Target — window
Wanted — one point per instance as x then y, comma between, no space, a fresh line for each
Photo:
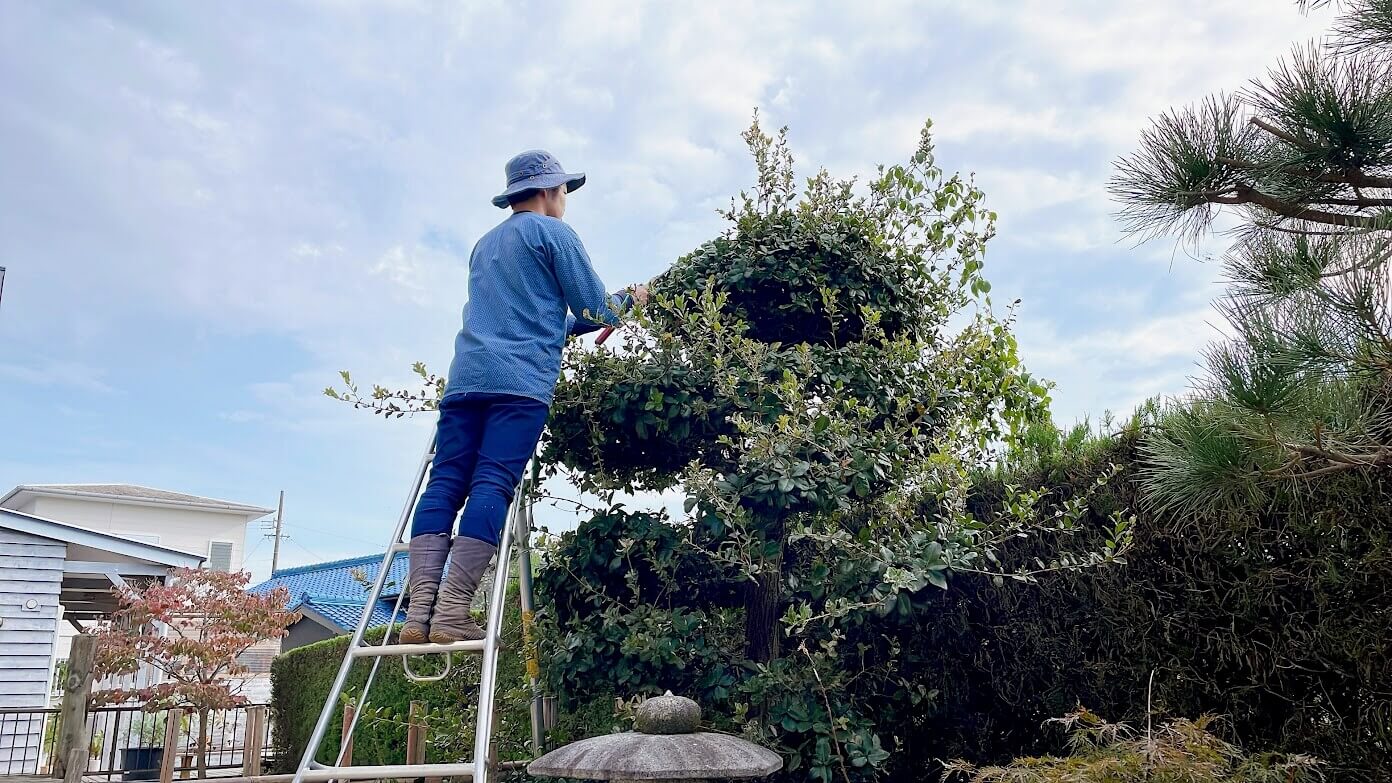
219,556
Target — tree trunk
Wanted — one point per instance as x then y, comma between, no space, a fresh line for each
763,601
202,743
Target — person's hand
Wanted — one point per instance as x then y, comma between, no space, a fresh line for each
640,293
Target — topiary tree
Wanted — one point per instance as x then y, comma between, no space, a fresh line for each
810,381
1303,159
819,383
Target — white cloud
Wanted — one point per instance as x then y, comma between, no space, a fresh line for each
1116,368
57,374
279,176
417,274
1015,192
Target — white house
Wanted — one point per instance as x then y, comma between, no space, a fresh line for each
49,570
63,547
215,529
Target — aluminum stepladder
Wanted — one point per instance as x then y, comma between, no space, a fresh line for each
516,532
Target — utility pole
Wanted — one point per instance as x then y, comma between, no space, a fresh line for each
2,282
275,548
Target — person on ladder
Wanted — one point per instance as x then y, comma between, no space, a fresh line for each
524,275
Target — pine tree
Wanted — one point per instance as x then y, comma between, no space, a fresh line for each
1303,160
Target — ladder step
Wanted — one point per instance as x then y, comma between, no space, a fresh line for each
401,546
385,771
320,772
379,650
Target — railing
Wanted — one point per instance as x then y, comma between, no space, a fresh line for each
119,738
27,740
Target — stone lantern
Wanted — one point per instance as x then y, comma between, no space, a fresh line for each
667,745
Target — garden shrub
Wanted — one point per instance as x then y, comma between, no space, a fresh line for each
775,271
1278,620
656,418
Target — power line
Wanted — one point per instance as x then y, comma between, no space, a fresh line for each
335,533
304,548
246,557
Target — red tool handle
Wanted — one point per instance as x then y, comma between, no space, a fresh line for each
608,330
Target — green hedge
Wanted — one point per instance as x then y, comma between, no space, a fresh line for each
300,681
1278,620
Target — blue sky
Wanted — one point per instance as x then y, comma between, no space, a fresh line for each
207,210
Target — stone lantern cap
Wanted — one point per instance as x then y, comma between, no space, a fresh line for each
667,746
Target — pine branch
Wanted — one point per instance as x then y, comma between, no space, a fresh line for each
1365,28
1356,178
1310,231
1352,177
1360,203
1345,462
1246,194
1336,456
1286,137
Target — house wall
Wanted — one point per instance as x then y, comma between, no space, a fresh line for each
177,528
31,569
306,631
187,529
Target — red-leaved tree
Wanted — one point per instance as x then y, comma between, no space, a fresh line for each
192,629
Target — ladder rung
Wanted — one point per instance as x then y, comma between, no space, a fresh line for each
385,771
378,650
401,546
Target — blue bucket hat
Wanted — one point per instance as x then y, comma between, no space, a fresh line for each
536,170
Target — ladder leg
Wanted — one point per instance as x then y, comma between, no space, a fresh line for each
371,675
527,600
488,666
321,726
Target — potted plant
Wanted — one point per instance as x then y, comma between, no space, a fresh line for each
142,758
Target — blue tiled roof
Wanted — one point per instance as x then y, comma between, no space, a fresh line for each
334,580
331,590
346,614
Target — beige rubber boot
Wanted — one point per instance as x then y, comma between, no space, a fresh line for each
427,557
452,621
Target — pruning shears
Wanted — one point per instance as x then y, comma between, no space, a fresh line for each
608,330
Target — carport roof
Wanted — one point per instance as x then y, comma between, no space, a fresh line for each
97,563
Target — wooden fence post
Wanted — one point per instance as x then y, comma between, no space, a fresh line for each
172,719
254,741
345,748
77,689
415,735
76,765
